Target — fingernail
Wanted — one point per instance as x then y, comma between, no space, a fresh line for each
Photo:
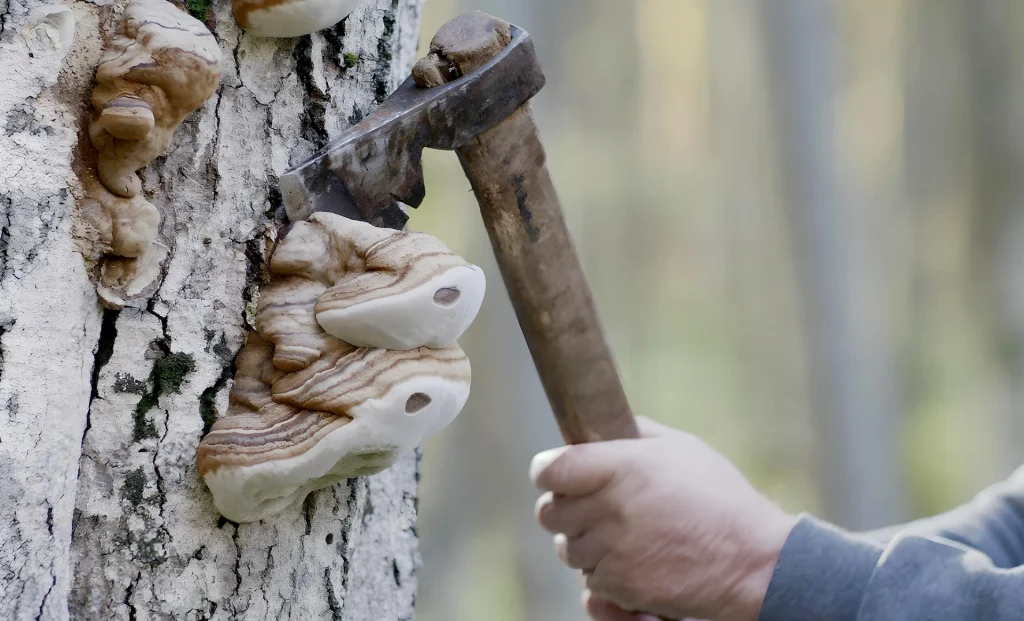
585,598
561,543
545,498
541,461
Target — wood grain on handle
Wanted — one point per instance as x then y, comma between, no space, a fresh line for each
521,211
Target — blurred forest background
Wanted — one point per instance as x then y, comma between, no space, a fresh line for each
803,224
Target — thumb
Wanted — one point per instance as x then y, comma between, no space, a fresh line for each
578,470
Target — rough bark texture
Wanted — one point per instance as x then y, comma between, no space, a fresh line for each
102,514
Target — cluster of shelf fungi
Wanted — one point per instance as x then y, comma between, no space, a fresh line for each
354,356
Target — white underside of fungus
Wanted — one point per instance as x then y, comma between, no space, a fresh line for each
316,402
294,18
384,322
379,431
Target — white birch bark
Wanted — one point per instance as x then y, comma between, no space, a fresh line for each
102,513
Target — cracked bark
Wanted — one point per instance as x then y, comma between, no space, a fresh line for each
102,515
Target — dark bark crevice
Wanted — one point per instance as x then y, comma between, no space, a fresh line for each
332,600
3,330
132,612
208,398
334,45
238,555
315,101
5,12
104,350
42,604
347,524
386,46
5,232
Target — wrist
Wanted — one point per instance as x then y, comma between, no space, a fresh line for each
757,561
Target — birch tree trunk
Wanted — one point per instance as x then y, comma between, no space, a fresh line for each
102,513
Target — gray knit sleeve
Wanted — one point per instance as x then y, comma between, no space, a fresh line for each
964,565
825,574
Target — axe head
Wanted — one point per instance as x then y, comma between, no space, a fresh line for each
374,167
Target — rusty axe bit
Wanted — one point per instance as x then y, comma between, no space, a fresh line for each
472,94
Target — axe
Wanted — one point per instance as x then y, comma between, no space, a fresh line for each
472,94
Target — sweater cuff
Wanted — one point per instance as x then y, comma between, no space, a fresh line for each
822,573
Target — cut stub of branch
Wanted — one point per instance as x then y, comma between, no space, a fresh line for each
309,409
162,66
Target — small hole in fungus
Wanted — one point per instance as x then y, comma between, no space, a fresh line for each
417,402
447,296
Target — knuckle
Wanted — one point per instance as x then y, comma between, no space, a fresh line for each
602,581
596,583
543,508
611,582
552,516
573,556
561,548
549,518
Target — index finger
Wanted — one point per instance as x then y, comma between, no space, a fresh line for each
577,470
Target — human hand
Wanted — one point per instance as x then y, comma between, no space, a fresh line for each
663,524
603,610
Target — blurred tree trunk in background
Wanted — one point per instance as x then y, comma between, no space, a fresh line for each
761,283
853,387
995,47
946,390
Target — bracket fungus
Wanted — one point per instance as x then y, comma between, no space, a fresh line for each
290,18
162,65
353,361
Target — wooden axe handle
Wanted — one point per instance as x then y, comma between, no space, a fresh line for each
506,166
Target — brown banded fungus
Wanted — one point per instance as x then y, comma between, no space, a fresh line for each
290,18
162,65
309,409
400,291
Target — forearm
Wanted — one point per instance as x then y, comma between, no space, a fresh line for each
825,573
992,523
